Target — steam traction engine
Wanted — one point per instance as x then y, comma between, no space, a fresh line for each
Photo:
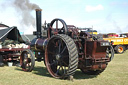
65,48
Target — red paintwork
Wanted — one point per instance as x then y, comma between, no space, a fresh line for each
11,53
113,35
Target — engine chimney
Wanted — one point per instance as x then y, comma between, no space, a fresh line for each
38,22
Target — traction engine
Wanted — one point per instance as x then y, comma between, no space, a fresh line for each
65,48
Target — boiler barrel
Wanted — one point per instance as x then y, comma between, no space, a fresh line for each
38,44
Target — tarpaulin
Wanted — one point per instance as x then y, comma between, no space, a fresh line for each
11,33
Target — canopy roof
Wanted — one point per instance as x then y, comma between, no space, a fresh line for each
10,33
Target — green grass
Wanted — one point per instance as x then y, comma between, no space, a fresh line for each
115,74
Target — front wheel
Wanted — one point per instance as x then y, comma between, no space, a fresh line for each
27,60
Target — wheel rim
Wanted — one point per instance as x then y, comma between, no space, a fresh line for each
26,61
57,59
120,49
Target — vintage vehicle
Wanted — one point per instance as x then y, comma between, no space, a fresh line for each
119,43
65,48
11,45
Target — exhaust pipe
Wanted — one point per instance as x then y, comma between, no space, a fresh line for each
38,23
38,44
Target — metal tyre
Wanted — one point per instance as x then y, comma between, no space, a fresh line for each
110,53
27,60
61,56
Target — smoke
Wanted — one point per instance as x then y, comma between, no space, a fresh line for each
116,26
114,23
24,9
22,12
126,29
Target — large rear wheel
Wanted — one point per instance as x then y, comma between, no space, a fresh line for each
61,56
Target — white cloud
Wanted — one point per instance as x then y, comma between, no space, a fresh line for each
89,8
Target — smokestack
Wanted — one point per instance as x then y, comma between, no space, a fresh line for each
38,22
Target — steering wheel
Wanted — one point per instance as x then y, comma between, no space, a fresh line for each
57,30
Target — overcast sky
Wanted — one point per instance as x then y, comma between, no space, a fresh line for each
105,16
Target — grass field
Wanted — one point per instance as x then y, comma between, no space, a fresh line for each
115,74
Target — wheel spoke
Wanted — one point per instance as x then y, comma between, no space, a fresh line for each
57,72
28,64
63,71
25,56
57,26
54,63
63,50
24,64
53,42
61,30
65,63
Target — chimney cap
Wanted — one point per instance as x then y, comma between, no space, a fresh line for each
38,9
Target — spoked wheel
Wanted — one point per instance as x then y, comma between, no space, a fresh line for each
27,60
61,56
110,53
58,26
